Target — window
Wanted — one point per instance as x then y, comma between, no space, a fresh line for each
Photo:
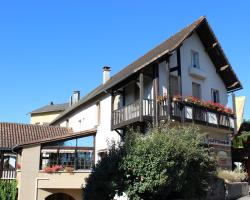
196,87
195,59
9,162
174,85
76,153
215,96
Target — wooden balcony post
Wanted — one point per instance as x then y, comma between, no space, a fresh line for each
141,96
156,92
179,70
112,110
180,81
169,106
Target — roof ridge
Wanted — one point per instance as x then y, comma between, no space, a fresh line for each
34,125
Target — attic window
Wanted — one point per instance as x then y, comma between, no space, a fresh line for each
195,59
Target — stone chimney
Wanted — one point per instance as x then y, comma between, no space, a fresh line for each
106,74
75,97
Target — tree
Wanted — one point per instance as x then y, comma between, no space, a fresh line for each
165,162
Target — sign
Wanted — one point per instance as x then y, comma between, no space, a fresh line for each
213,141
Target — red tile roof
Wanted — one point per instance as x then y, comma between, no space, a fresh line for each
13,134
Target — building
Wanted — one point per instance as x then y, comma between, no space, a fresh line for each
158,87
47,114
186,79
26,152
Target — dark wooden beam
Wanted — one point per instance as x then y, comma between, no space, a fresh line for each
179,70
224,67
141,95
233,85
212,46
169,110
173,69
156,92
112,109
180,79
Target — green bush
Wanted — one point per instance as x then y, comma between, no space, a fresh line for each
167,162
8,190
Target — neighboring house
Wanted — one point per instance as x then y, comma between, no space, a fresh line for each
27,150
47,114
190,63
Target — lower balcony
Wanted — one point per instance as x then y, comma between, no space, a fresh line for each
131,113
180,110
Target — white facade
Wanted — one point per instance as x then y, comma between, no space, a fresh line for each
87,118
206,75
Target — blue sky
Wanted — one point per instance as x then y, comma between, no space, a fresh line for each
50,48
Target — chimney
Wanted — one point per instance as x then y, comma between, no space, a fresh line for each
75,97
106,74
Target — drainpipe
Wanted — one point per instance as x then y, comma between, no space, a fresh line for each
36,186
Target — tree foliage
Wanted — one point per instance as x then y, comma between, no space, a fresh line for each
8,190
166,162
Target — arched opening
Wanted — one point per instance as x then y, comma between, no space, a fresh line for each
59,196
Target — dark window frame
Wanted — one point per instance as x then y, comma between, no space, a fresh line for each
200,90
195,57
214,98
76,149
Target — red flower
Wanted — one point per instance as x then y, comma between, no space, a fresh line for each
18,166
53,169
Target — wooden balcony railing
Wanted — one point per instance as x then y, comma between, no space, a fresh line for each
131,112
180,110
8,175
202,115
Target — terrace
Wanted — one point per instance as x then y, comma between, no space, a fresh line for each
188,109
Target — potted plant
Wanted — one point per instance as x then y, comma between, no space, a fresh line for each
162,98
69,169
53,169
177,98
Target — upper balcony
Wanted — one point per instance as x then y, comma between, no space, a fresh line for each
185,110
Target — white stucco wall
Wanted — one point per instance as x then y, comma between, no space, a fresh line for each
89,120
212,79
104,134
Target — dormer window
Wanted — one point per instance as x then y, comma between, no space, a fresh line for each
195,59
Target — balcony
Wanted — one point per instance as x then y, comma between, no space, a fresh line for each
180,110
8,175
131,113
188,112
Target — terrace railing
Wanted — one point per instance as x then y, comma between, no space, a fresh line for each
8,175
131,112
188,112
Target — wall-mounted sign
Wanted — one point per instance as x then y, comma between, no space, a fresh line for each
213,141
